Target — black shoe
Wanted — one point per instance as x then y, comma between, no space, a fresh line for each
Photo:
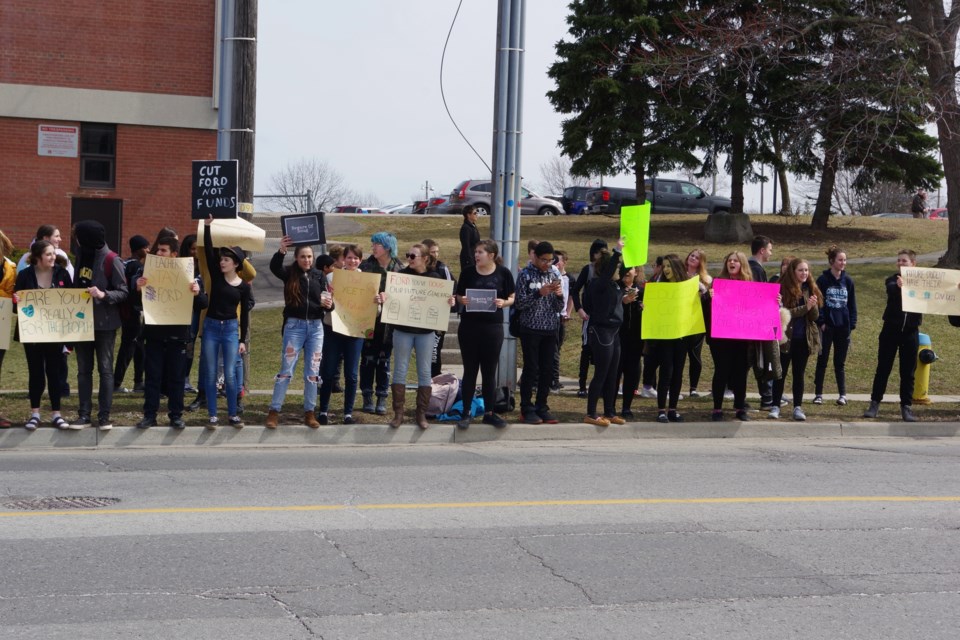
178,423
463,423
581,393
199,400
348,419
717,416
547,417
662,417
673,416
530,417
626,414
323,418
147,422
337,388
556,386
495,420
138,387
743,416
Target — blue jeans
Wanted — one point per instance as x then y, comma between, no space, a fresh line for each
403,343
305,335
349,348
220,337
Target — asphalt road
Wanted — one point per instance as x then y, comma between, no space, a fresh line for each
840,538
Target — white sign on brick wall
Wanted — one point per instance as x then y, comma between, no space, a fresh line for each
57,140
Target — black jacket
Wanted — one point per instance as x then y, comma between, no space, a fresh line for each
604,299
894,316
312,284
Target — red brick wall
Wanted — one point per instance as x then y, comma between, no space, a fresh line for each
153,46
153,174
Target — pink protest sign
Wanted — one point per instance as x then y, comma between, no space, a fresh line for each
745,310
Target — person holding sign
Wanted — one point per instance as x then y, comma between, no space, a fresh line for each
669,354
375,357
730,356
419,340
802,298
900,335
44,359
305,298
221,334
165,351
484,290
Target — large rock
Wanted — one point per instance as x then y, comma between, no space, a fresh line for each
728,228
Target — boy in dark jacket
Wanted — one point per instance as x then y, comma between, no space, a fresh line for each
900,334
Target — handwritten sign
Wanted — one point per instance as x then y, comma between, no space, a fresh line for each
55,315
672,310
304,229
482,300
635,230
235,232
215,188
354,311
167,298
417,301
745,310
6,321
931,291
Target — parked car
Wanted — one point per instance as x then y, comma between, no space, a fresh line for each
667,195
420,206
574,200
398,208
478,193
347,208
940,213
892,215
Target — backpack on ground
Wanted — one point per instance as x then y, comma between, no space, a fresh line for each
445,391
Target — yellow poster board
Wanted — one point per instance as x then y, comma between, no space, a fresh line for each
167,298
672,310
6,321
354,311
55,315
417,301
635,231
933,291
234,232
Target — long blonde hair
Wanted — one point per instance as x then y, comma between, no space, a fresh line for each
702,273
746,274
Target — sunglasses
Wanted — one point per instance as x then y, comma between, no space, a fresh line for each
412,256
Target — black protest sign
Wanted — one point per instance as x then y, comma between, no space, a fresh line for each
215,188
304,228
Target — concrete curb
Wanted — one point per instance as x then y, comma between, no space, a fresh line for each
301,436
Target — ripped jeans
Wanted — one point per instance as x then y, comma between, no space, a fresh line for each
308,336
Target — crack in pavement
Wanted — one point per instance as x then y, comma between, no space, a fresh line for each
343,554
554,572
293,614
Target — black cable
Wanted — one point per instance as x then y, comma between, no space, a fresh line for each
444,97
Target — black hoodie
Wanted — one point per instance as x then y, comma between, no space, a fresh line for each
92,253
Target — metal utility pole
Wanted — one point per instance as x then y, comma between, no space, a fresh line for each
507,130
426,190
238,92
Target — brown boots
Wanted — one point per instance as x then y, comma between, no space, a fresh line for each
309,419
273,418
399,397
423,401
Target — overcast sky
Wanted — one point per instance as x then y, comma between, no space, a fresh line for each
357,84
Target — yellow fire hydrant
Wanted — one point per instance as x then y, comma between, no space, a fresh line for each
921,380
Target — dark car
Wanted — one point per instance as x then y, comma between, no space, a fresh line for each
574,200
420,206
478,193
668,195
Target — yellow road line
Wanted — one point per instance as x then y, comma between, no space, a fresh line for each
486,505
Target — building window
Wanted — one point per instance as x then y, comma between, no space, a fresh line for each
98,155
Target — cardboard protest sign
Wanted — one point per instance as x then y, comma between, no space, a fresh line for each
6,321
672,310
417,301
635,231
304,229
55,315
931,291
745,310
354,311
167,298
215,188
236,232
482,300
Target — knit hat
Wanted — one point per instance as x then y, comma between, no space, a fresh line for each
137,243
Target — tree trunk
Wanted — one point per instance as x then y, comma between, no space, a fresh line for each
828,178
737,145
786,208
639,172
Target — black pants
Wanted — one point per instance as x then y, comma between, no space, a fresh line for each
695,351
538,350
131,348
893,341
561,335
480,351
436,361
729,371
44,360
102,348
650,365
605,347
839,338
164,371
585,358
631,356
670,355
795,362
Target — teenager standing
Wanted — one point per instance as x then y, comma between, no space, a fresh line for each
838,319
730,365
802,298
670,354
696,264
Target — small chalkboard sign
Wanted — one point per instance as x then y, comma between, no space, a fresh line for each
484,300
304,228
215,188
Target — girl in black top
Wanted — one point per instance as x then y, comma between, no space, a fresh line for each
44,359
631,344
221,329
484,326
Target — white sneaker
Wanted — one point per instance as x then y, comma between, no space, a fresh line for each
819,400
648,392
798,414
774,413
842,401
728,395
694,393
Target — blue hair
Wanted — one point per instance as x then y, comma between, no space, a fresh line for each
387,240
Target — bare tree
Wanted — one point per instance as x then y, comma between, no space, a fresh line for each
326,186
555,176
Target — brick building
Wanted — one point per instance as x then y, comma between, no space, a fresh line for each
103,106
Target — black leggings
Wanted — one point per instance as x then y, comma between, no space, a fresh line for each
631,354
480,351
729,371
670,355
605,347
840,339
797,357
694,350
44,360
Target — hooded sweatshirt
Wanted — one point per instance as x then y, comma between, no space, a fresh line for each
839,301
90,271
